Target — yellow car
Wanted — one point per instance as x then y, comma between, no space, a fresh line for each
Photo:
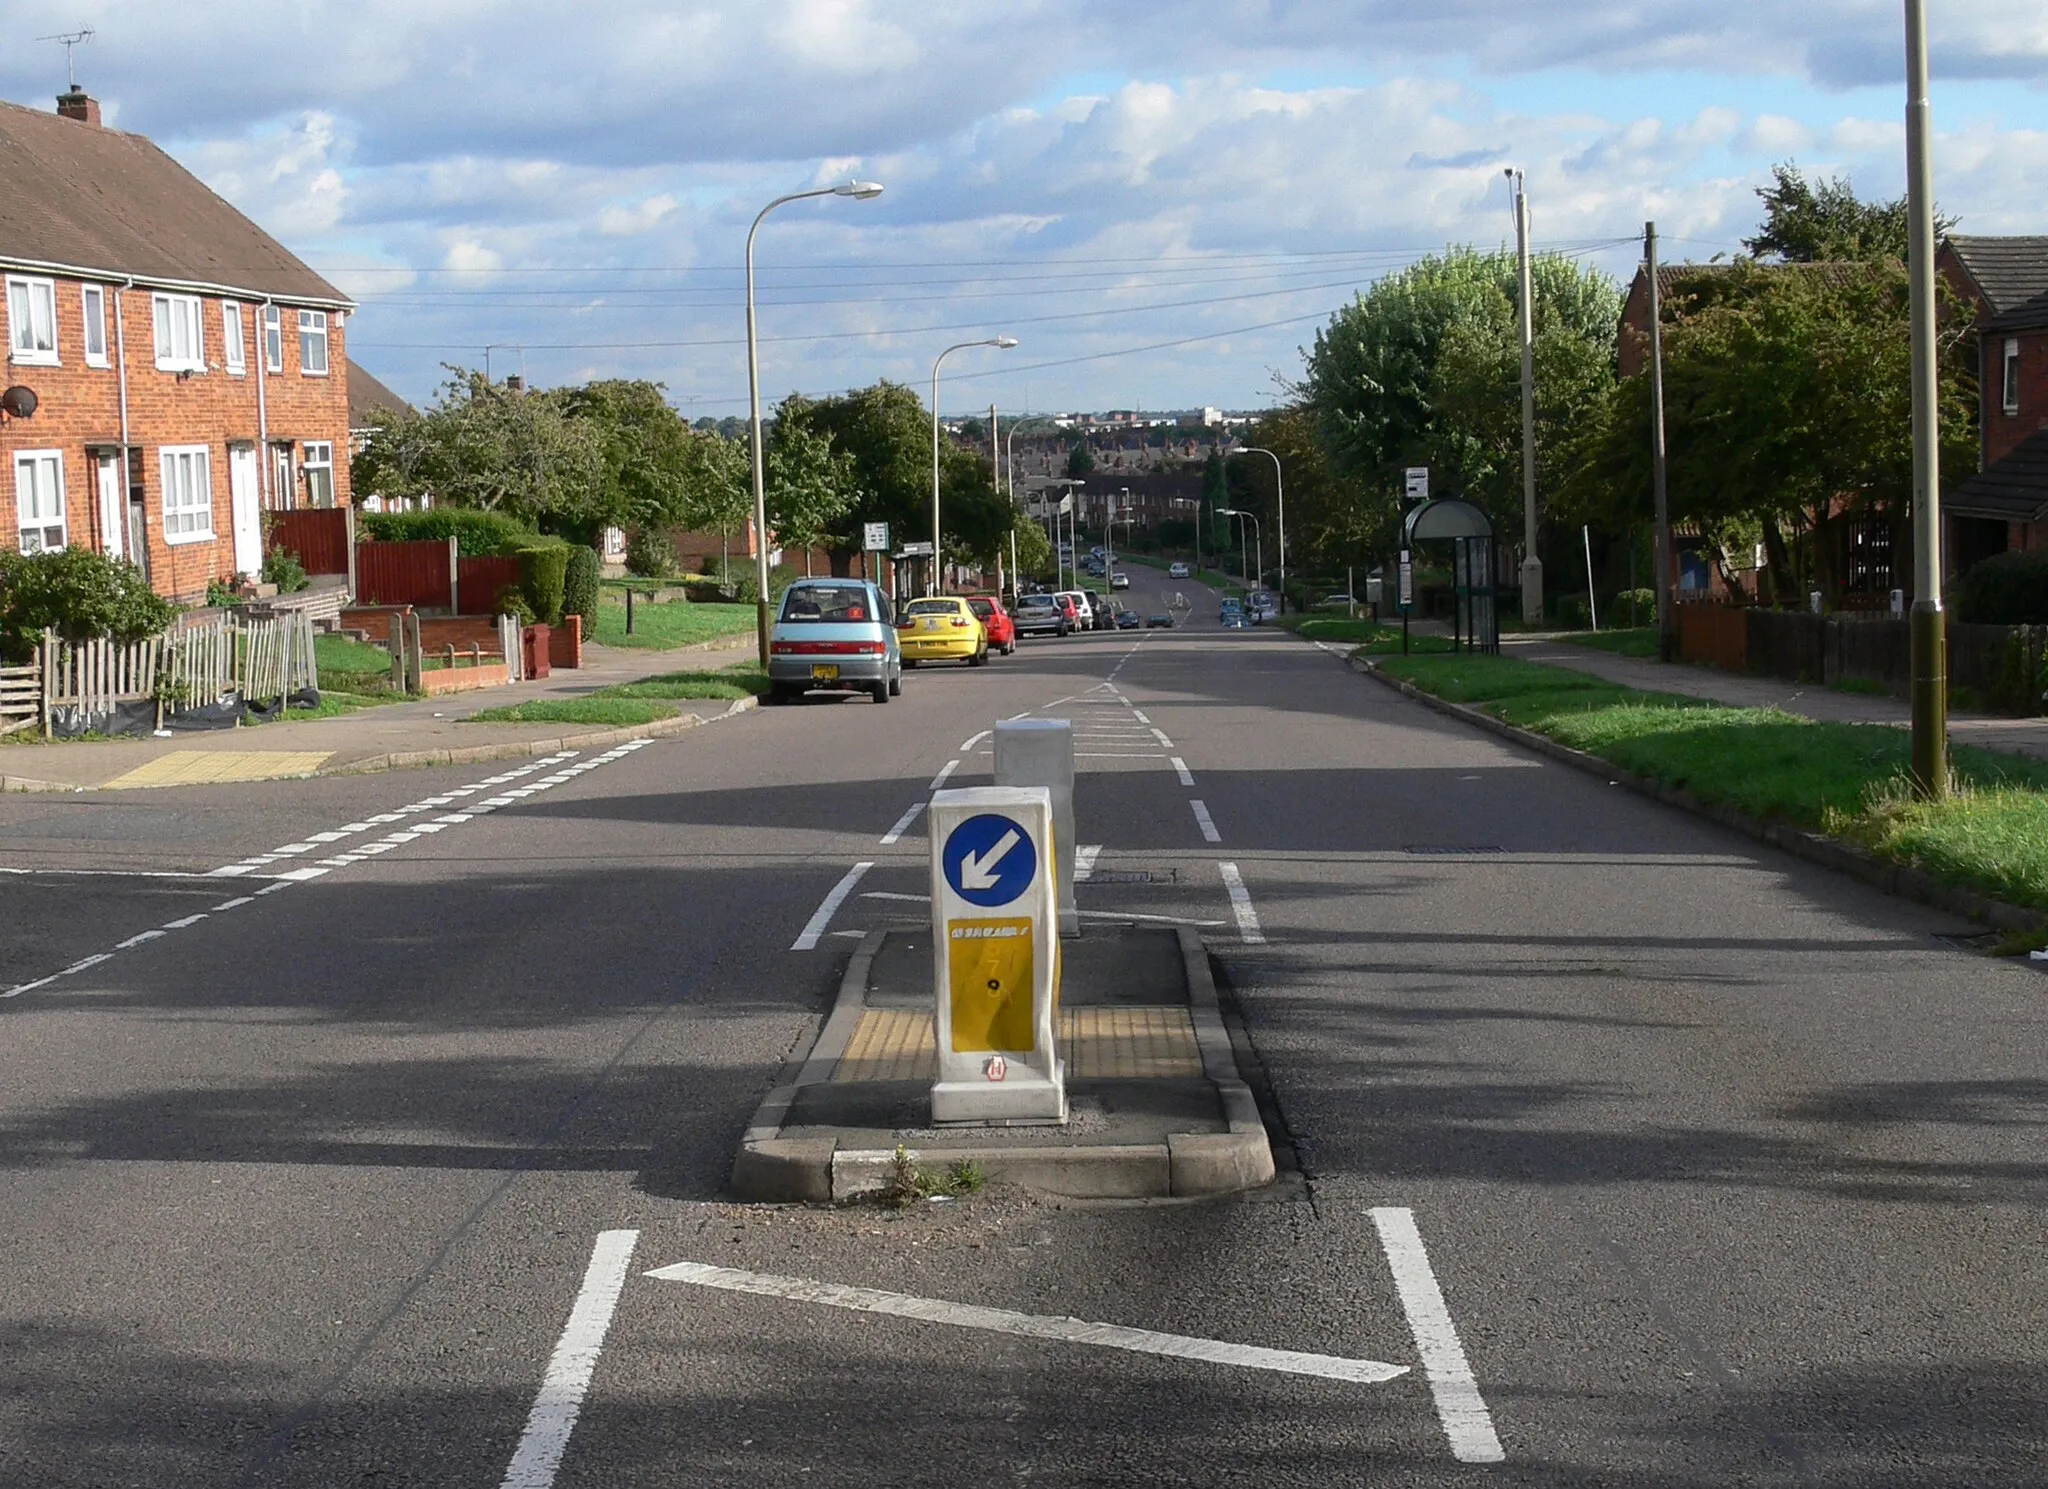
943,628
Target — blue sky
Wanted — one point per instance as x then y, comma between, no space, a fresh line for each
572,184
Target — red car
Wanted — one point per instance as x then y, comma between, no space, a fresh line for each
995,620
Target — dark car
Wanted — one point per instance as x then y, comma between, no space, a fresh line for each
1128,621
1043,615
1160,622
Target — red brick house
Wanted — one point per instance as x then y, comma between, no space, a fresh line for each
188,370
2005,504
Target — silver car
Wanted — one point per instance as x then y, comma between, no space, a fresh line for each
836,635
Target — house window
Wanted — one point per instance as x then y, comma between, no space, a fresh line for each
32,320
180,341
188,493
93,300
2012,375
231,338
39,500
318,464
313,343
284,496
273,338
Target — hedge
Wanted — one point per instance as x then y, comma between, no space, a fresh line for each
543,570
579,587
476,534
2009,589
77,593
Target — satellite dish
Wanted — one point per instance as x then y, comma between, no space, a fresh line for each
18,402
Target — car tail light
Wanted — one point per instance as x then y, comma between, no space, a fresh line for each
826,648
961,624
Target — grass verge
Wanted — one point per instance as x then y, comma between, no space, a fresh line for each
1641,641
671,624
645,701
1847,780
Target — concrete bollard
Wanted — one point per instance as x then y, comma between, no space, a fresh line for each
1040,752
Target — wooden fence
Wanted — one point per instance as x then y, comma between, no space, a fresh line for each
186,668
93,676
1717,635
480,579
421,574
320,537
21,696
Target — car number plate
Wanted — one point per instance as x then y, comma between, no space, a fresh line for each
825,672
931,625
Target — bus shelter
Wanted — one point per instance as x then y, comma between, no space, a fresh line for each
1475,616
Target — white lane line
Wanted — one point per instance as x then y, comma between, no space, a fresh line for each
1204,821
137,940
946,770
1241,904
903,823
1139,714
968,747
1085,855
823,918
1187,777
1459,1405
1030,1325
233,904
539,1454
1160,735
188,921
890,894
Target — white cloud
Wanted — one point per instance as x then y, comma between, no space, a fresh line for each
642,216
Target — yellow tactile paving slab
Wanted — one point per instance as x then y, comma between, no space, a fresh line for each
894,1044
209,767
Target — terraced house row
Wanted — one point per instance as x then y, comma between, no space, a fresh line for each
186,371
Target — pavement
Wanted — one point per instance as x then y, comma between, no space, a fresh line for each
1809,700
392,736
377,1129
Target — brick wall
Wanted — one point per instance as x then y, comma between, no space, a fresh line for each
79,416
2002,430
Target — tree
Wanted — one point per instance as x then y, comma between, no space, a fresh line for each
1813,223
1034,549
1080,460
887,433
810,483
644,457
718,490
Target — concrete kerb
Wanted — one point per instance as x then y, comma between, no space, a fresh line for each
595,739
770,1168
1829,853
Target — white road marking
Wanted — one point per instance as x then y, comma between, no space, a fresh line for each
1204,821
1187,777
1030,1325
233,904
137,940
823,918
1160,735
967,747
539,1454
1459,1405
1138,714
903,823
1248,930
945,770
1084,860
190,920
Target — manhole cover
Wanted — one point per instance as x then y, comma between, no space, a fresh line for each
1449,850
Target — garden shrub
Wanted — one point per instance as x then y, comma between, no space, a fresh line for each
77,593
580,585
1573,613
285,571
513,603
543,570
476,534
1635,607
2008,589
651,553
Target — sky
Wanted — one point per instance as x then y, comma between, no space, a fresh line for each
1160,201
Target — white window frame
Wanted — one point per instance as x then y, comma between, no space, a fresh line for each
187,496
234,349
92,308
25,297
30,459
2010,372
312,333
273,338
317,455
173,315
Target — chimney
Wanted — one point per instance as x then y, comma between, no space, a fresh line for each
79,105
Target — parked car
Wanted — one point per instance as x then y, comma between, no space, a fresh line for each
1178,569
1231,606
1236,620
1119,580
1261,606
1043,615
1335,602
1163,621
1002,631
835,635
1127,620
941,628
1084,608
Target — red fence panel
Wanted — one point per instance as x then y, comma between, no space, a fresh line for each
416,574
319,536
480,579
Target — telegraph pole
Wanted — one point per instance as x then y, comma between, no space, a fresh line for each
1532,566
1930,640
1667,633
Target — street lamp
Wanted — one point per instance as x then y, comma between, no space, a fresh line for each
1929,639
860,191
1280,500
1258,536
1002,343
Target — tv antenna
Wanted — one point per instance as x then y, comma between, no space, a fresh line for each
70,40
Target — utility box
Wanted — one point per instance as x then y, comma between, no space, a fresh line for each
1040,752
995,957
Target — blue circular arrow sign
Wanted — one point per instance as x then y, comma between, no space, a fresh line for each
989,860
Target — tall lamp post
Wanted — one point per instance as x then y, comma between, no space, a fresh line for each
931,585
861,191
1929,639
1066,485
1532,566
1258,537
1280,504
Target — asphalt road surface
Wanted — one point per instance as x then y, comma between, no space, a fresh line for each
1636,1154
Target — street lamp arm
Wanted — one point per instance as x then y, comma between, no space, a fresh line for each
1280,506
1000,342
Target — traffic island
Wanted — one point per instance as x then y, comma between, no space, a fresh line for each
1156,1107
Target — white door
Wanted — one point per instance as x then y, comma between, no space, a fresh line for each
248,514
113,506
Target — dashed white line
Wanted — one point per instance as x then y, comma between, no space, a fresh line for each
945,771
562,1389
190,920
1139,715
969,746
1459,1406
1187,777
1248,930
233,904
1084,860
1204,821
818,922
1160,735
903,823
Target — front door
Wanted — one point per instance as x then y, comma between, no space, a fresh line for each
246,509
113,500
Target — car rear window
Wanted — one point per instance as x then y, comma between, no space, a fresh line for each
1038,602
825,605
932,607
982,608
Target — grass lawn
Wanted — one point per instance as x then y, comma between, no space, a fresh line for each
353,673
730,682
1641,641
641,702
666,626
1849,780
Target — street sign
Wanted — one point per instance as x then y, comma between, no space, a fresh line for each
875,537
1418,483
989,860
1406,594
915,550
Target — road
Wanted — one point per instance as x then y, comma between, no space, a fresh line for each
1708,1167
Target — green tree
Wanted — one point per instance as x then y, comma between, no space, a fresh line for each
1824,222
644,457
887,433
810,482
718,491
1080,460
